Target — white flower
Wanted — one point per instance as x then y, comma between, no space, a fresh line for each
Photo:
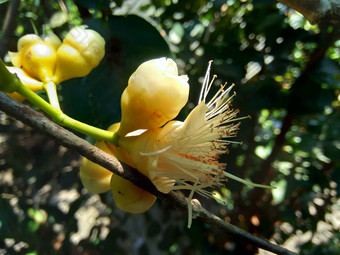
185,155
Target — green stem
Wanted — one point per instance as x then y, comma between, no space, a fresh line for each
51,90
94,132
62,119
39,102
10,83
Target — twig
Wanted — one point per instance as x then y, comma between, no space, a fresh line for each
176,199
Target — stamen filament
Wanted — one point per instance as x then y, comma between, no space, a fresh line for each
205,81
234,177
190,205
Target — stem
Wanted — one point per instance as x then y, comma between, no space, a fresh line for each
62,119
39,102
10,83
94,132
51,90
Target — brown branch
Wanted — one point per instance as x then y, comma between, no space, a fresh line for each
8,26
316,11
176,199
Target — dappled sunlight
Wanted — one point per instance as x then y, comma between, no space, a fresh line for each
286,76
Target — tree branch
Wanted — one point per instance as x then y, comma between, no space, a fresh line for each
316,11
176,199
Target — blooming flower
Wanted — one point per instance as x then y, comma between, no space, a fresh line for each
184,155
172,154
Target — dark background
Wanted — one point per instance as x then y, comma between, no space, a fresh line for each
286,73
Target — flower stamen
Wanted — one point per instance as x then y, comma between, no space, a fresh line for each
186,153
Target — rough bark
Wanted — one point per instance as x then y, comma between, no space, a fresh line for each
317,11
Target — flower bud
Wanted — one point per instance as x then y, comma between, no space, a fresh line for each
155,94
27,40
81,51
36,56
129,197
94,177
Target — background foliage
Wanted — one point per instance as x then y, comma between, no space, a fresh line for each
287,77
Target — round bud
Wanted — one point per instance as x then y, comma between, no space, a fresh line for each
27,40
155,94
81,51
94,177
39,60
129,197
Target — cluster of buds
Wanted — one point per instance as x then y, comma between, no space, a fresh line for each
172,154
39,61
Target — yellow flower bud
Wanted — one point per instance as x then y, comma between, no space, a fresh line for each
36,56
94,177
155,94
39,61
81,51
26,80
27,40
129,197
